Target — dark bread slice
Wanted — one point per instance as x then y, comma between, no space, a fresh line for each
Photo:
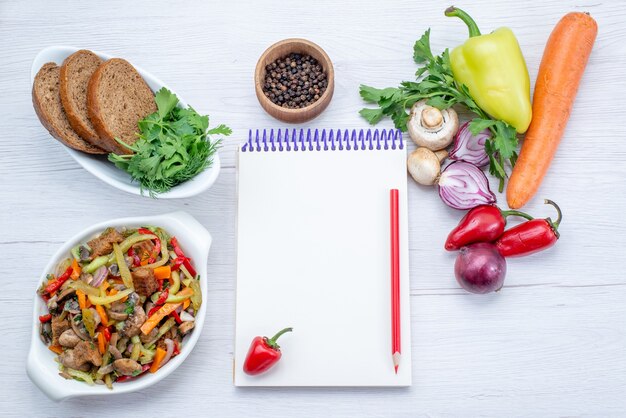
47,104
118,98
76,71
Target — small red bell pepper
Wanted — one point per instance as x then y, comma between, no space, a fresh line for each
56,285
483,223
530,237
185,261
45,318
263,353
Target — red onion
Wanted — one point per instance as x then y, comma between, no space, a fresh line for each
170,349
464,186
470,148
479,268
99,276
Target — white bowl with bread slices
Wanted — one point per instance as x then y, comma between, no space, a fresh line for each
65,79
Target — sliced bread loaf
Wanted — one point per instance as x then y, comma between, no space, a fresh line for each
118,98
47,104
76,71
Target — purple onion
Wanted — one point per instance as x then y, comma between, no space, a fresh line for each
470,148
99,276
479,268
464,186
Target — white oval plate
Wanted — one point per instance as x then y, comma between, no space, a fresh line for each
98,165
41,368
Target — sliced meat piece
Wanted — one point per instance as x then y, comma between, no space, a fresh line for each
133,324
75,73
185,327
84,352
127,367
150,336
172,334
144,282
103,244
59,326
47,104
117,99
69,338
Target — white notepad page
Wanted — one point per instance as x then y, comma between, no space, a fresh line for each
314,254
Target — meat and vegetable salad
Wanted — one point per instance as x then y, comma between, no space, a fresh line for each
120,305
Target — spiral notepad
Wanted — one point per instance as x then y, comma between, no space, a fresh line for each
313,253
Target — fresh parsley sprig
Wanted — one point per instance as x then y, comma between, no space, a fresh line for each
436,84
174,145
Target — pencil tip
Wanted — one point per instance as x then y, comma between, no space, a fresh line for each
396,361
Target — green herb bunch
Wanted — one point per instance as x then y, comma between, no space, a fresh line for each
174,145
436,83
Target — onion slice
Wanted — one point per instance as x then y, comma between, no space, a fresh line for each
464,186
470,148
99,276
170,349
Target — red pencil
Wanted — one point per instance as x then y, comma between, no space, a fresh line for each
395,279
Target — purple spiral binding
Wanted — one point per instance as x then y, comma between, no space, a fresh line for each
270,140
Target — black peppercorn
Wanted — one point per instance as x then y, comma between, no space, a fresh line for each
294,81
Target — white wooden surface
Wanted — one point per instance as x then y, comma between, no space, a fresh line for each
551,343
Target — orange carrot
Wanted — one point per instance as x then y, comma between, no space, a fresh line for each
56,348
82,299
186,304
562,66
163,272
75,270
159,355
101,343
156,317
165,310
104,319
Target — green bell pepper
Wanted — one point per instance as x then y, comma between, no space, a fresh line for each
494,70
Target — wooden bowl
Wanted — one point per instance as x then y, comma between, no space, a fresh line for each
282,49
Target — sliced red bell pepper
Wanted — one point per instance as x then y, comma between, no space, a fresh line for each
136,260
107,334
45,318
176,317
55,285
176,349
162,297
185,260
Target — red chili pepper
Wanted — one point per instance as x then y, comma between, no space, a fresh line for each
107,334
45,318
176,317
125,378
530,237
263,353
176,349
55,285
483,223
